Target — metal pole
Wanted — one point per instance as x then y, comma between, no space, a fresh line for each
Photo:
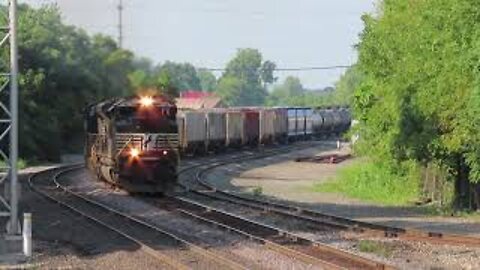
14,228
120,24
27,234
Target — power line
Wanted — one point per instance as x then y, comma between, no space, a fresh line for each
294,68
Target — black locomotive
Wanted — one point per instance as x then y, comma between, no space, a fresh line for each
133,143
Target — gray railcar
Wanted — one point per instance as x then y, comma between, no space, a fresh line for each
281,128
192,131
234,128
216,126
267,125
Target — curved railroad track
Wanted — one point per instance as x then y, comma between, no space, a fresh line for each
371,229
159,243
169,249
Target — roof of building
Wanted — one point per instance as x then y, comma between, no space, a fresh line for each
197,100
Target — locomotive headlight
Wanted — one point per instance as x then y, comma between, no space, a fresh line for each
165,152
134,153
146,101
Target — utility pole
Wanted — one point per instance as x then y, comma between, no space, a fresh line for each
14,228
9,120
120,23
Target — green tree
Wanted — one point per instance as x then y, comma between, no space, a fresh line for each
62,69
230,90
267,76
418,99
346,85
182,76
246,71
208,81
285,93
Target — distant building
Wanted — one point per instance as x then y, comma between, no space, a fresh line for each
196,100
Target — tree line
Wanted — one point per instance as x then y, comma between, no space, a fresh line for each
419,98
62,69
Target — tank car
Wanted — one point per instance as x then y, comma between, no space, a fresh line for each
133,143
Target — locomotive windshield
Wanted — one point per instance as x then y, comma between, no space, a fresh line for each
151,120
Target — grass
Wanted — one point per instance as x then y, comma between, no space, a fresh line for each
376,183
21,164
257,191
378,248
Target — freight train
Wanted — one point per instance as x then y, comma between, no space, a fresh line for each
203,131
135,142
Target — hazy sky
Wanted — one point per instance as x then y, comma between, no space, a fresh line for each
207,33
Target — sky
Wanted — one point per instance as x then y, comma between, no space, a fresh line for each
207,33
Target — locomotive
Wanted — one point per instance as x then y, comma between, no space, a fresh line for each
133,143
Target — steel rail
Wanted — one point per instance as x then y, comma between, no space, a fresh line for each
225,262
279,240
318,217
169,260
256,154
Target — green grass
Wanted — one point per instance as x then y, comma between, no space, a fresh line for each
21,164
375,247
257,191
373,182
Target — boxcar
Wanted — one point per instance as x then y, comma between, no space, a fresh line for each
216,129
234,130
251,127
192,131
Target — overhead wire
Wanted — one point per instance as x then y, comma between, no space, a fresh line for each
312,68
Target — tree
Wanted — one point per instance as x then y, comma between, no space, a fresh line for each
182,76
208,81
62,69
418,99
230,90
346,85
284,94
268,67
245,69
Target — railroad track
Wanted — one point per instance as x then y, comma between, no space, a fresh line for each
169,249
367,229
276,239
254,154
155,241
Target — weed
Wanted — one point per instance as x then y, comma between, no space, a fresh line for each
21,164
375,247
257,191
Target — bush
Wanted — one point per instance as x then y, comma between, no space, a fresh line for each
377,182
21,164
